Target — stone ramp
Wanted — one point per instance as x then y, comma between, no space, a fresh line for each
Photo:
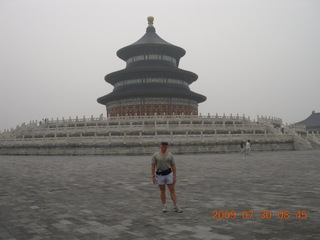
112,197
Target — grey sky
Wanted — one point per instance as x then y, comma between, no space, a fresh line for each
253,57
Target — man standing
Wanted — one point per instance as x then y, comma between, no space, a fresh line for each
164,172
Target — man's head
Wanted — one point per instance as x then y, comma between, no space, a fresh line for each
164,146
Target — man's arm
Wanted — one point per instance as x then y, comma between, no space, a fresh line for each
153,172
174,170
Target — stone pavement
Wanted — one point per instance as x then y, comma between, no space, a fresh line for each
112,197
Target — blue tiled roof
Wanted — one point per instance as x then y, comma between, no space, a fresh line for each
312,121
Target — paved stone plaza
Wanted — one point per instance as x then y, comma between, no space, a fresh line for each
112,197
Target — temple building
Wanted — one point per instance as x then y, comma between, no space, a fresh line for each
152,82
151,101
312,122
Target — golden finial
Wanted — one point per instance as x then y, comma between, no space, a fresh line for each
150,21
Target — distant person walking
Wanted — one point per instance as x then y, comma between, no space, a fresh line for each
164,172
248,148
242,148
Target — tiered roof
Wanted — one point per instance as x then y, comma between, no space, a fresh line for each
313,121
148,46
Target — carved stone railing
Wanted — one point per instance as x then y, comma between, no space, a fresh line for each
297,128
314,138
143,129
276,122
147,124
111,139
297,137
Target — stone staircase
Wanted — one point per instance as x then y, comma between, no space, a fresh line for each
300,142
314,140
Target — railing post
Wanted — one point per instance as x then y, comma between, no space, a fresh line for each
156,136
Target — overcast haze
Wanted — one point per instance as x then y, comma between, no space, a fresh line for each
252,57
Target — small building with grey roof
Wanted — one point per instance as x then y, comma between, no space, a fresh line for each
312,122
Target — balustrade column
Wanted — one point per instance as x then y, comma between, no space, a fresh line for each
156,136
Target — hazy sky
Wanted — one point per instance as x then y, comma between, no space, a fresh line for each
253,57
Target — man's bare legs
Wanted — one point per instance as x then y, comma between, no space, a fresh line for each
163,193
172,195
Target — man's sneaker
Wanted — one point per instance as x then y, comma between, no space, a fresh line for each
165,209
178,209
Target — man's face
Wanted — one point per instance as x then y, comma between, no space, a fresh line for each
163,147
